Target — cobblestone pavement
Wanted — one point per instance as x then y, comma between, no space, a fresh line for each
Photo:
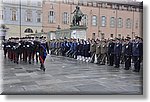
69,76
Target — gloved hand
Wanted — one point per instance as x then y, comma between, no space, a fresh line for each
37,53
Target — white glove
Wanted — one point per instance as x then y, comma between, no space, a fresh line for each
37,53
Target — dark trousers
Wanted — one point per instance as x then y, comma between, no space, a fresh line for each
127,60
5,52
29,54
117,61
25,55
42,60
111,59
136,61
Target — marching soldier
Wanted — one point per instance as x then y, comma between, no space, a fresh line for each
43,49
127,53
117,52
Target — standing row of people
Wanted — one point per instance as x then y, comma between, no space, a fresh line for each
112,51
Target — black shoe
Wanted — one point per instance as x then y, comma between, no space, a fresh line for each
102,64
135,71
44,69
126,68
116,67
29,62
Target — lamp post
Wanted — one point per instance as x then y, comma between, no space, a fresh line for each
20,17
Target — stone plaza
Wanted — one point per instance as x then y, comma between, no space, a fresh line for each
68,76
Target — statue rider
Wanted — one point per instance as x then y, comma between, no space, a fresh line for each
77,16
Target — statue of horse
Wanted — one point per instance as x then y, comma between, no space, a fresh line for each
77,19
77,16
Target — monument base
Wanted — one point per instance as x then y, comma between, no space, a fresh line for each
77,32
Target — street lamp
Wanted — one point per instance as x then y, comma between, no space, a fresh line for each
20,17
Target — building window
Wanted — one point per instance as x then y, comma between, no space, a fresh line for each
65,18
28,30
120,22
39,4
128,23
1,14
94,20
38,19
13,15
28,15
51,17
103,21
28,2
84,20
112,22
112,35
136,24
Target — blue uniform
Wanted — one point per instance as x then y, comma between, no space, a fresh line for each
137,50
111,53
127,55
117,53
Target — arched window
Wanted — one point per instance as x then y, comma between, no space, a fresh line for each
28,30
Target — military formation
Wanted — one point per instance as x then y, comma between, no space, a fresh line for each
112,52
27,49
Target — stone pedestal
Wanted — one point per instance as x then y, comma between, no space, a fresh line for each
72,32
78,32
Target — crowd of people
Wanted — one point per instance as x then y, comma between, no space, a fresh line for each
26,49
112,52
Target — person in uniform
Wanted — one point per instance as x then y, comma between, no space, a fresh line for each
117,52
43,50
136,53
80,49
98,51
83,50
74,55
111,52
127,53
87,50
18,47
103,48
93,50
4,44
